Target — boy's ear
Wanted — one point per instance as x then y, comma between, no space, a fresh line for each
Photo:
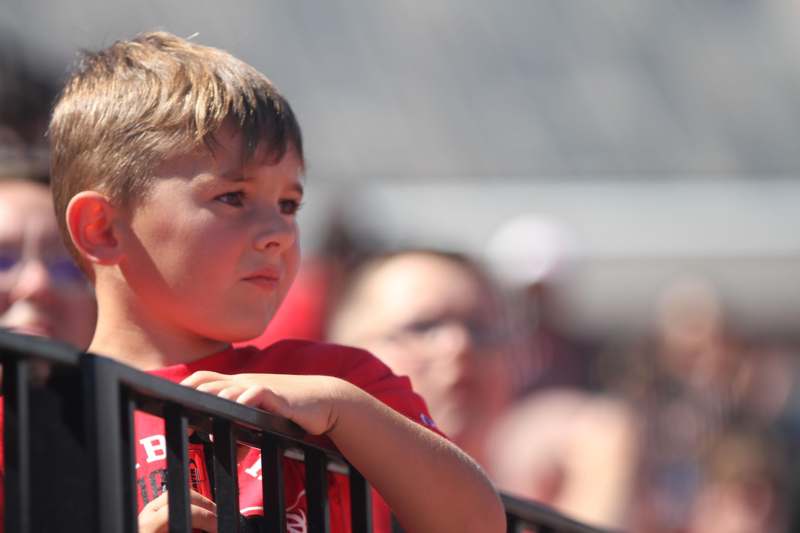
91,220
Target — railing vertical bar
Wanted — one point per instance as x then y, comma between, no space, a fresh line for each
512,523
360,503
103,409
225,480
317,491
272,486
16,406
396,528
177,469
128,409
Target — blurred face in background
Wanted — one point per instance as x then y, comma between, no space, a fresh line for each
42,292
436,321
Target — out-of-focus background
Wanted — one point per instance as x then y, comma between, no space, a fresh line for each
626,171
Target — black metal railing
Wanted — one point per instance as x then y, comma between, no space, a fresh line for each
525,515
69,450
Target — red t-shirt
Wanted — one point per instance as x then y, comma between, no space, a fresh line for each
285,357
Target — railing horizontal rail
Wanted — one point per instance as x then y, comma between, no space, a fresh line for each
14,346
153,393
522,513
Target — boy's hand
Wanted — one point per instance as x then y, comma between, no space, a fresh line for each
154,517
309,401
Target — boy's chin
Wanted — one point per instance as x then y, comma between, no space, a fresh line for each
244,334
241,328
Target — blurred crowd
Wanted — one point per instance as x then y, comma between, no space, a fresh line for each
686,428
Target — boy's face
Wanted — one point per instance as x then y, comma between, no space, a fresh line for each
212,248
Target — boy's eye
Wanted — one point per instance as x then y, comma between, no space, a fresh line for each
289,207
235,198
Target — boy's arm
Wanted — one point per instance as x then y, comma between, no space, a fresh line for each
429,483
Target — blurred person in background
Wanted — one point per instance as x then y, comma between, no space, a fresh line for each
572,450
559,444
688,393
435,317
742,490
694,383
42,291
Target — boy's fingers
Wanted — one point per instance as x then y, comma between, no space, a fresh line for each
265,399
213,387
156,503
201,518
252,396
204,519
201,501
202,376
195,498
231,392
256,396
154,520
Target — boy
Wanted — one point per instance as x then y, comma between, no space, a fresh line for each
177,176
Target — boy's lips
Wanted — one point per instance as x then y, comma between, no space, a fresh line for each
267,278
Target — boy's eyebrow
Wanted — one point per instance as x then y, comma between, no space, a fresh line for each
237,176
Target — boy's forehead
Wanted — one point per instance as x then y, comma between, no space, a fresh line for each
229,153
227,160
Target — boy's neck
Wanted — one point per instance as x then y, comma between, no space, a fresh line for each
144,341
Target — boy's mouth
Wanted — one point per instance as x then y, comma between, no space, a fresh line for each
267,278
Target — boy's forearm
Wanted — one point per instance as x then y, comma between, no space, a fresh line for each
429,483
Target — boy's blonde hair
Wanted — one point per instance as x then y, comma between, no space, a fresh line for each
127,108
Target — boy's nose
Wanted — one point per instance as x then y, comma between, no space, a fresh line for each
276,232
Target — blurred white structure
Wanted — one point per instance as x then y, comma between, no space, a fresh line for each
529,248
